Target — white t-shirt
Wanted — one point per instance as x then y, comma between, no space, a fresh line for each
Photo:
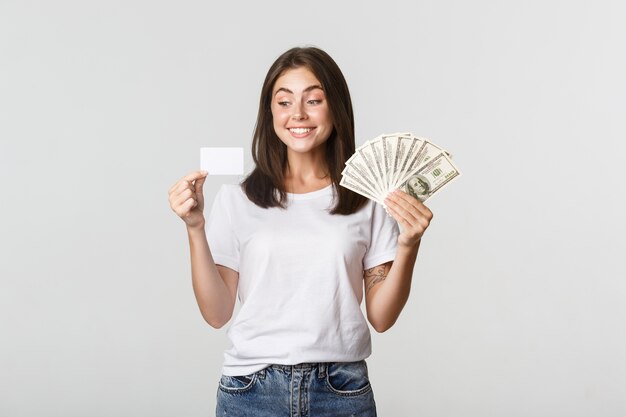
300,276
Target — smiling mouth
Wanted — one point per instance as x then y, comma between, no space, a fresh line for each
300,130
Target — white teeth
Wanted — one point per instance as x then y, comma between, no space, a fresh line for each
300,130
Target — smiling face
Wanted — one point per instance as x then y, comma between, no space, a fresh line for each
300,112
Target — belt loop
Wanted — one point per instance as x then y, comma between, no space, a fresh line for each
322,369
261,373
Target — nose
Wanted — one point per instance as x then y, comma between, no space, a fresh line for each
298,112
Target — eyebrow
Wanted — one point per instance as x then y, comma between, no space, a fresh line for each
306,90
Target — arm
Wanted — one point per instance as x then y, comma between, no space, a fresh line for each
387,286
214,286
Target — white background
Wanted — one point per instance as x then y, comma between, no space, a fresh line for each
518,298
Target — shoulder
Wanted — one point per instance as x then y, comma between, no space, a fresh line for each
230,189
232,193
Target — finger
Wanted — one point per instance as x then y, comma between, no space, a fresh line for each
399,217
403,207
187,185
411,218
416,229
200,193
186,207
187,179
198,185
182,208
184,194
183,197
180,186
414,202
409,212
192,176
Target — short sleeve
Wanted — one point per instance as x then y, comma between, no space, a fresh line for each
221,237
383,238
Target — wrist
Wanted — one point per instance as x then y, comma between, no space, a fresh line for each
408,246
196,228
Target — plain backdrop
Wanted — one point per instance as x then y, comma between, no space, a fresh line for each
517,307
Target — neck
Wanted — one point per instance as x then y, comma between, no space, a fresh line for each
306,171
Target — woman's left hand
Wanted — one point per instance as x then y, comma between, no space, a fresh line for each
411,213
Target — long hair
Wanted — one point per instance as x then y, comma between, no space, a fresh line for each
264,186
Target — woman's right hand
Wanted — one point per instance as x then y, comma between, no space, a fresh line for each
187,200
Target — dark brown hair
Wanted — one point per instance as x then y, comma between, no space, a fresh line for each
264,186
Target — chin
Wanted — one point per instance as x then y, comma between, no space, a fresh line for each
298,149
300,146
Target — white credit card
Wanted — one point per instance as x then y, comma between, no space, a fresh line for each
222,161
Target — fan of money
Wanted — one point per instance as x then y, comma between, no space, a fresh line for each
402,161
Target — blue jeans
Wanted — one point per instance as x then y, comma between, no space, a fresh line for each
325,389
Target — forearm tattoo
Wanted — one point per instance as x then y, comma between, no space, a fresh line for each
375,275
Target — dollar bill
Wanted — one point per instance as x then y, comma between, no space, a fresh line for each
426,152
431,177
365,158
398,160
408,145
394,149
376,146
360,165
389,147
357,188
363,182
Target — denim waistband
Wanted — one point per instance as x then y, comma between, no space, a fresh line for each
321,368
307,365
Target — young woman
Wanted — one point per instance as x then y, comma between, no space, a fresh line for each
300,251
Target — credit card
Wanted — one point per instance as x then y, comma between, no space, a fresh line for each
222,161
